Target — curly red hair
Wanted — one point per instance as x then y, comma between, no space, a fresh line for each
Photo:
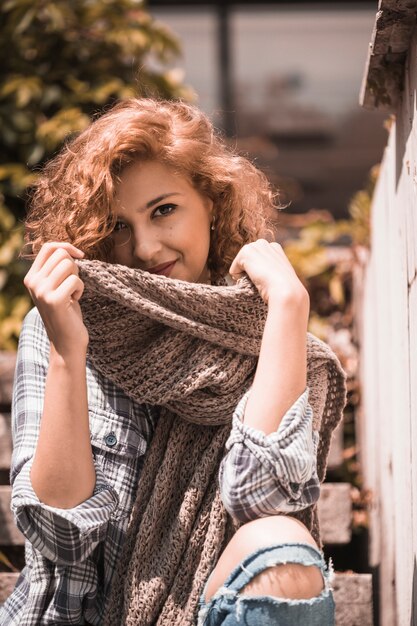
73,197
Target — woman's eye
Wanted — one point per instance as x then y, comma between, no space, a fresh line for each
119,225
121,233
164,209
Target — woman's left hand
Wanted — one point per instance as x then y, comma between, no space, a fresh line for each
269,269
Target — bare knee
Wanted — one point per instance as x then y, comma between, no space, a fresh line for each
292,580
288,580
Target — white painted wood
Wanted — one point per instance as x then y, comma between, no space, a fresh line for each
387,331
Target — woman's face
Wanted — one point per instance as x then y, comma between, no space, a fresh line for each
163,223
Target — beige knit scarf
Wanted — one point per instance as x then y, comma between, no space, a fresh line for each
191,349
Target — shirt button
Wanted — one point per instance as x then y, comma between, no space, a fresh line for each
110,440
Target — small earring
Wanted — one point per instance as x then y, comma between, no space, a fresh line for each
213,224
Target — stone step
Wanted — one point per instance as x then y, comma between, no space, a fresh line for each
335,513
334,509
353,598
352,594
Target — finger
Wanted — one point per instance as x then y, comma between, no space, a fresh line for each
71,287
48,249
58,256
236,270
236,267
250,253
64,268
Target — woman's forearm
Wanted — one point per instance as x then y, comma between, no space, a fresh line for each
63,473
281,374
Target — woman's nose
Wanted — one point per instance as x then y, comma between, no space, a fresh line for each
146,247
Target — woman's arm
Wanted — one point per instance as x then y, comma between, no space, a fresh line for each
63,473
281,374
62,535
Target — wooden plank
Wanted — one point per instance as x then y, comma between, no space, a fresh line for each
409,573
9,533
402,269
377,367
5,441
413,413
353,599
7,583
7,366
335,513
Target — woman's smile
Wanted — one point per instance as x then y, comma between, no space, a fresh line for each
162,269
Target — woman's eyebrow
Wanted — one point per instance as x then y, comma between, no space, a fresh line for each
151,203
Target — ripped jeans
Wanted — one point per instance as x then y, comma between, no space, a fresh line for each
227,608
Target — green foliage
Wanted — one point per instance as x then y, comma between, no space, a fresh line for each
14,302
313,255
62,62
324,256
360,210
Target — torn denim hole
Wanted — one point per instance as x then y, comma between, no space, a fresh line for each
228,602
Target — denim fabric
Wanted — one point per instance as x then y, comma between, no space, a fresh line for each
228,608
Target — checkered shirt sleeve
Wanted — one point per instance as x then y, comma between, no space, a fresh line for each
71,554
263,475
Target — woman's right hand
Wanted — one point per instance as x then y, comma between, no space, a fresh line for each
55,287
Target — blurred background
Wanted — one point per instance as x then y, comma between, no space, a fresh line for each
284,79
281,80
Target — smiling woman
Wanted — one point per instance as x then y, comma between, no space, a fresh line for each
167,222
156,409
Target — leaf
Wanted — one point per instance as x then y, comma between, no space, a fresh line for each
336,289
11,247
19,175
24,88
26,21
53,131
3,278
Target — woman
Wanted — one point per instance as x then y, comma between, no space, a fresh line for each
150,190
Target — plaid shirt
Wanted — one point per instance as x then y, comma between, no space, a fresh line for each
71,554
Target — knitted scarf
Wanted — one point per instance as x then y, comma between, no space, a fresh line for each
192,350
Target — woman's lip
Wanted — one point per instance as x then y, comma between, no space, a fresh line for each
163,268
